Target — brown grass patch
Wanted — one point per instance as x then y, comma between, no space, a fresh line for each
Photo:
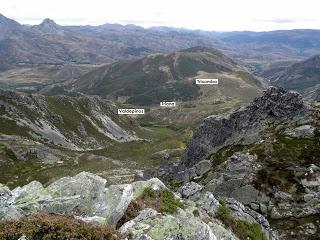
45,227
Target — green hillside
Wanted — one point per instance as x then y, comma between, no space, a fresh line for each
160,77
301,76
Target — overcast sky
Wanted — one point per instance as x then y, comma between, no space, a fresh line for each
217,15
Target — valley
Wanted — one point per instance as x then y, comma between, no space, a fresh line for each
58,136
235,158
64,135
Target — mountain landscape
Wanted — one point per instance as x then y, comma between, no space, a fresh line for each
264,155
275,45
235,160
40,132
25,47
240,158
159,77
302,76
50,43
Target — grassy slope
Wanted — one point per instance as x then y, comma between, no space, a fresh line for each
131,156
160,77
162,128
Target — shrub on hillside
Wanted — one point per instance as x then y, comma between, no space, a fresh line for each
45,227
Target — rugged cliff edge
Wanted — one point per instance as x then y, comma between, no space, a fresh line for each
265,155
243,125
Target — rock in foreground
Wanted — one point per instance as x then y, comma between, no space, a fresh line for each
141,210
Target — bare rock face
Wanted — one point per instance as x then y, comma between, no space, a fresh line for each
243,125
84,195
190,189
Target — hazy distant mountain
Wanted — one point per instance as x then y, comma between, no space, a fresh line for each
48,26
284,44
51,43
8,27
159,77
302,76
281,45
34,78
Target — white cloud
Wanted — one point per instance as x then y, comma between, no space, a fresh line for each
219,15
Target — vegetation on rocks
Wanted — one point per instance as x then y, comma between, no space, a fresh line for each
163,201
168,202
5,152
12,128
281,152
224,153
45,227
242,228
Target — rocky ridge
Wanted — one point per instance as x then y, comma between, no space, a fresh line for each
264,155
73,123
243,125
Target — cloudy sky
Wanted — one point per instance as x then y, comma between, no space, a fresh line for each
217,15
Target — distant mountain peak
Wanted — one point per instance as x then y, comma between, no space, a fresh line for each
49,23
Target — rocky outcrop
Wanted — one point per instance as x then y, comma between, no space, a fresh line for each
83,195
197,221
23,149
262,160
233,178
242,126
87,197
269,185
